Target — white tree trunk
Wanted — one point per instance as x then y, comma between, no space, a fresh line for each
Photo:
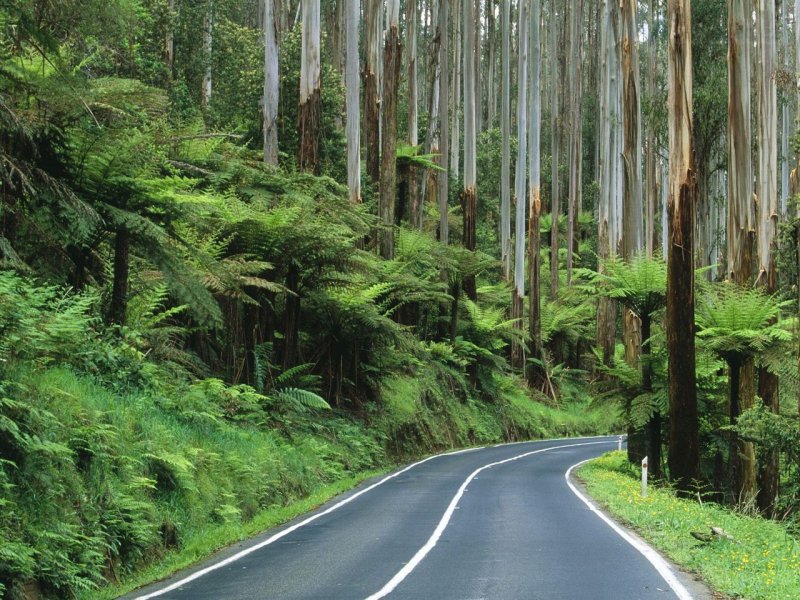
271,80
632,154
455,145
208,38
413,99
554,145
576,131
785,132
768,139
444,121
520,178
352,86
505,127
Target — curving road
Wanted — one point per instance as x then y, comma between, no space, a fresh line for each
495,523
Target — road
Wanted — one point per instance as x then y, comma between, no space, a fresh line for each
496,523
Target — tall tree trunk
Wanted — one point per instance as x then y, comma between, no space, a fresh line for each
119,294
208,38
632,165
391,81
535,372
768,219
741,208
169,39
576,130
491,107
518,294
651,175
271,80
469,196
413,99
554,145
372,83
310,103
684,444
477,54
455,130
428,177
505,161
785,131
352,87
444,121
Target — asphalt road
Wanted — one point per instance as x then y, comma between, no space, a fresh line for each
453,527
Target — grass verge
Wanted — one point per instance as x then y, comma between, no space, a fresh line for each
760,563
207,541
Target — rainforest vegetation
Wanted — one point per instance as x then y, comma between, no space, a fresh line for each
253,247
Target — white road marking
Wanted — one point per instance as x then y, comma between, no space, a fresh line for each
445,520
288,530
285,532
647,551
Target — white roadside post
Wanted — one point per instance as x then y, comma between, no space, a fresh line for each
619,443
644,477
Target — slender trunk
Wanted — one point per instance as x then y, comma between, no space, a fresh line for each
372,100
768,218
684,444
413,134
208,37
469,198
491,107
388,179
455,130
271,80
632,165
576,133
310,107
169,39
428,178
741,390
785,132
505,161
554,152
477,53
119,294
650,138
444,136
518,294
291,317
352,132
535,371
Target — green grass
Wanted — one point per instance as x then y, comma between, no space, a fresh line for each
213,537
761,563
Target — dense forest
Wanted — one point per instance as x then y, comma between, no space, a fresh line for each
253,247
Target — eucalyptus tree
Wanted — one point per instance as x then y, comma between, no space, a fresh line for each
444,121
413,99
388,175
768,217
310,99
456,89
208,38
535,370
505,129
784,31
271,85
741,223
576,129
373,16
651,155
555,202
352,86
632,163
518,294
469,195
684,444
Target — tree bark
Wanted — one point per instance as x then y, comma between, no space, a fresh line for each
372,101
684,445
535,372
271,80
208,37
469,196
388,179
505,161
576,131
444,135
554,152
518,294
352,132
413,99
310,102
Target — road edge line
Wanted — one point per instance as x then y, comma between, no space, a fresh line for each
650,553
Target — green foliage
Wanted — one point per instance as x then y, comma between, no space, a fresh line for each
640,283
735,322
